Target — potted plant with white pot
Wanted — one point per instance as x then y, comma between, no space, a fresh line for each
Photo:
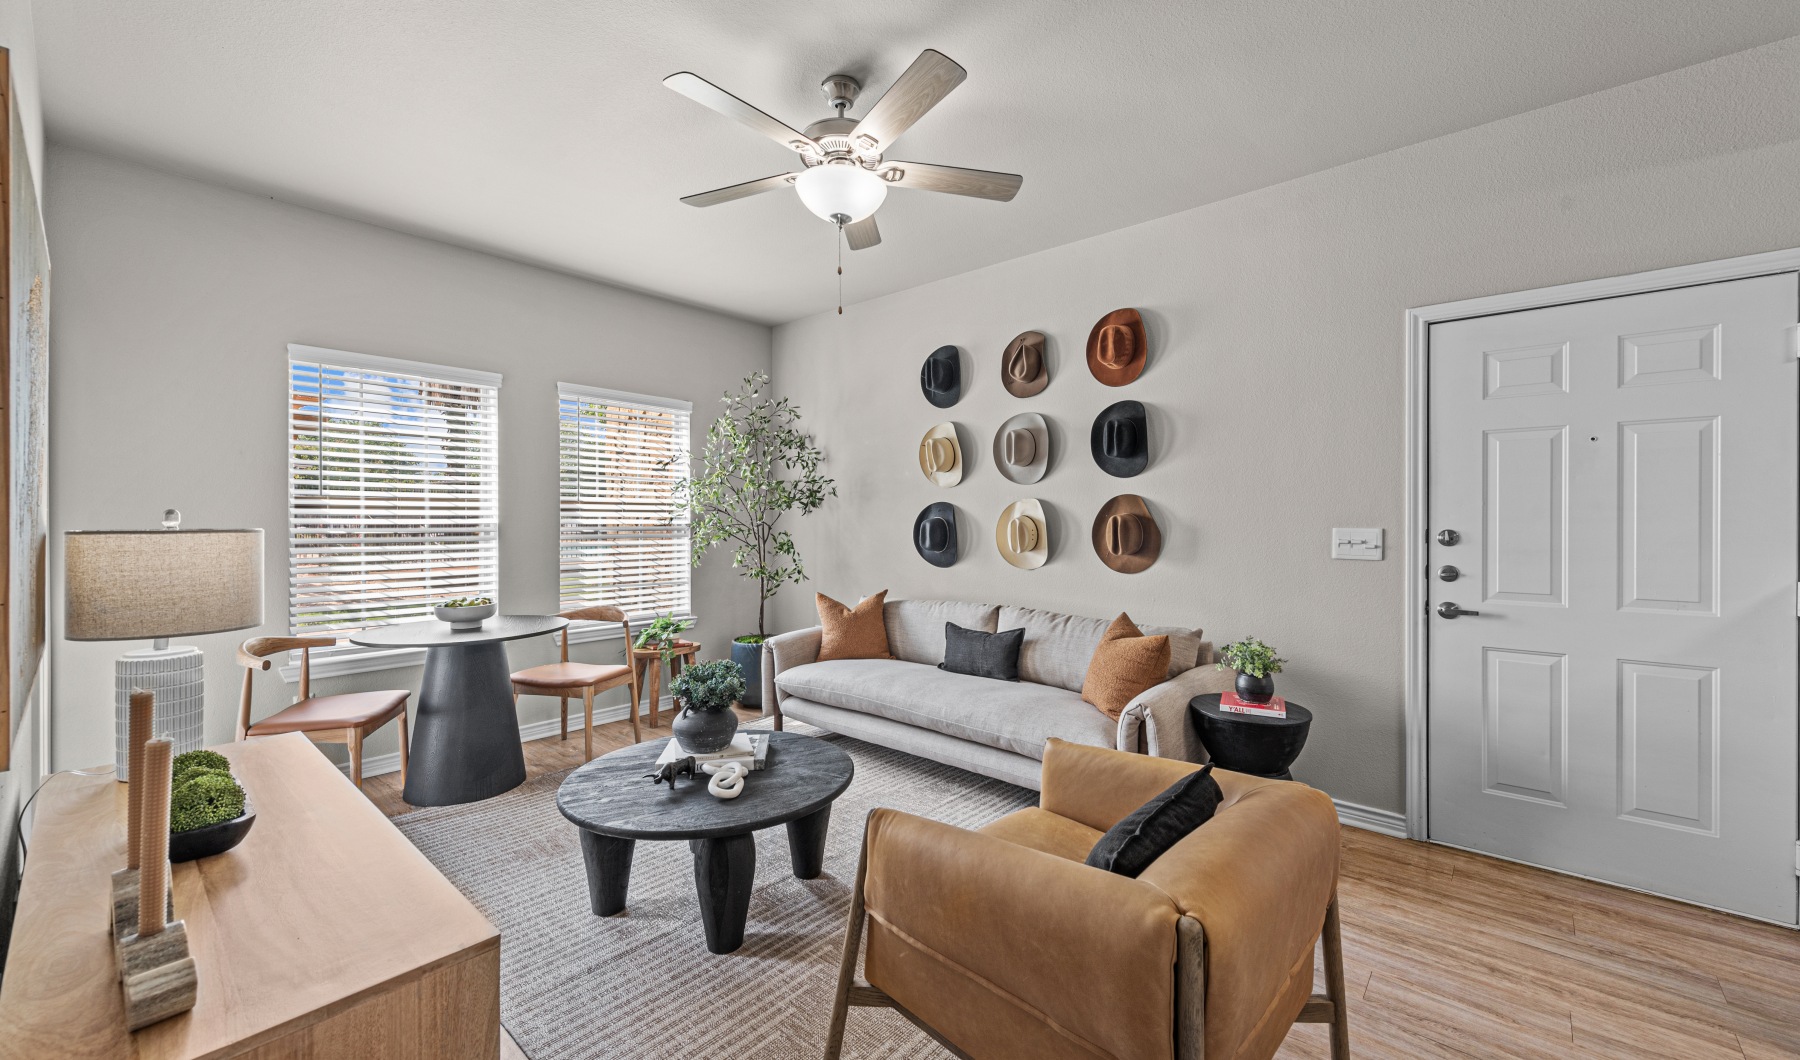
757,466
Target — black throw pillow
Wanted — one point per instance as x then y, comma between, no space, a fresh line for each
970,651
1149,831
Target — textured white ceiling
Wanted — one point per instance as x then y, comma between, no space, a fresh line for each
538,129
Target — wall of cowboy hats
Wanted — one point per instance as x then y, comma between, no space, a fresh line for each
1275,388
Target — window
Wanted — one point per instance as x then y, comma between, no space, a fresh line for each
623,541
392,489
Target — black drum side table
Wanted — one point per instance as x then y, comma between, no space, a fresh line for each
1251,743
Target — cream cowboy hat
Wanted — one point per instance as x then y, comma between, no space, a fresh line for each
940,455
1126,536
1023,534
1022,447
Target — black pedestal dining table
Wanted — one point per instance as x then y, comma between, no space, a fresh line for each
465,744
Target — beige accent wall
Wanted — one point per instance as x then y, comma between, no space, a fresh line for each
175,302
1275,385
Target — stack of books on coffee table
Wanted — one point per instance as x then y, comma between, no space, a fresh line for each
750,749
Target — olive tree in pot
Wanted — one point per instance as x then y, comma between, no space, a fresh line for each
756,467
705,692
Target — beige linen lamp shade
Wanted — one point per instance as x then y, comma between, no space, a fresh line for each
144,584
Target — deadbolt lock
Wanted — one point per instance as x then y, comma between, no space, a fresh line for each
1448,573
1448,537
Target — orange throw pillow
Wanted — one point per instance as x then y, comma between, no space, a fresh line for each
1125,663
858,632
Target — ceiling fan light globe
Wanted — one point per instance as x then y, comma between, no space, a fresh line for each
837,190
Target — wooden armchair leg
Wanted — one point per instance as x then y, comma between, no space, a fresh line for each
1334,983
405,749
565,717
840,1005
353,737
587,725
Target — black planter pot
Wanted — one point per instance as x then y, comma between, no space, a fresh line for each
1255,689
702,732
207,840
749,659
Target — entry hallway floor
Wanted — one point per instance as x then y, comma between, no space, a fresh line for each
1449,954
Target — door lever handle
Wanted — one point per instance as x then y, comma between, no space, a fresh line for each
1450,610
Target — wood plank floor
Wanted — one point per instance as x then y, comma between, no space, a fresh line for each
1449,954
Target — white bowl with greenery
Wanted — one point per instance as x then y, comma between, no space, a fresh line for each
467,613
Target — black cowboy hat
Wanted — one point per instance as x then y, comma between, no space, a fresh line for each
941,377
1121,439
934,534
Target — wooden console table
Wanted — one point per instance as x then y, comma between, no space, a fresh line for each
324,934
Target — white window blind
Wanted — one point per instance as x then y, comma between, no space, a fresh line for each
393,501
623,542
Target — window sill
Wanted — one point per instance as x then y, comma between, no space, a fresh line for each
362,662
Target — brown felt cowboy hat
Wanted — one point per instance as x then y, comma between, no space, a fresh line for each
1022,447
1116,348
940,455
1023,534
1022,369
1126,536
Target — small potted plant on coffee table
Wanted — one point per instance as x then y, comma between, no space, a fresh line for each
705,692
1256,664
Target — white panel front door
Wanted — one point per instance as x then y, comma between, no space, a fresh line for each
1621,477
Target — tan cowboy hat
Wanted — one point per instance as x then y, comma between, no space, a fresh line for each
1126,536
940,455
1022,447
1116,348
1022,369
1023,534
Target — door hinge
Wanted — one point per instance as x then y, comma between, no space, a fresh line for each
1793,340
1797,859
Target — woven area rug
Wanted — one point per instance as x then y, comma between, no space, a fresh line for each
641,984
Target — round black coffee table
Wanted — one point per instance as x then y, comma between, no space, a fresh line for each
465,744
615,805
1251,743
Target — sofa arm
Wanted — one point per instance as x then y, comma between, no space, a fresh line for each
782,652
989,942
1157,721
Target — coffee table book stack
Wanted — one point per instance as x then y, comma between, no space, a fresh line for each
750,750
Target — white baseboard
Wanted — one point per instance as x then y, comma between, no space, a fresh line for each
376,765
1387,822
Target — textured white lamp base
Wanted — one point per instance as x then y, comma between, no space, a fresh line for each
178,678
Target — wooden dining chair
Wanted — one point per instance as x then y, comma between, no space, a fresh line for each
564,679
347,718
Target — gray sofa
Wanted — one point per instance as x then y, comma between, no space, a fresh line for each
997,728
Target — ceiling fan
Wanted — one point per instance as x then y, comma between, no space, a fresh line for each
847,176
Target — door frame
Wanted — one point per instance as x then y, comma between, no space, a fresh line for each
1418,403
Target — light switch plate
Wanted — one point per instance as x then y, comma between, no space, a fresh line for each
1356,543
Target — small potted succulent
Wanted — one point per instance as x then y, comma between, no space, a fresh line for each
208,810
465,613
1256,664
706,692
662,633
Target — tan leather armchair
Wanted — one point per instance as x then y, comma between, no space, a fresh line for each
1001,943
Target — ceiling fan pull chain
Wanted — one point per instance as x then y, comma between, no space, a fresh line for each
840,250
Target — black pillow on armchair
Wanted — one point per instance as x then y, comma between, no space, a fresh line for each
970,651
1149,831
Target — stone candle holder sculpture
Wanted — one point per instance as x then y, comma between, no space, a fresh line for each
155,970
125,880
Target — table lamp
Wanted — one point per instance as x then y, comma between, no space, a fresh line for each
154,585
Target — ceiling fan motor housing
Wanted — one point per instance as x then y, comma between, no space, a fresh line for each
841,91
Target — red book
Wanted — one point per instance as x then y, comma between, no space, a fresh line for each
1276,707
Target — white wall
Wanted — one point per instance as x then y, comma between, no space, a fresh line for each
175,302
1275,382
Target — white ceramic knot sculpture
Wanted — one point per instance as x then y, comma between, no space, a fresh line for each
727,779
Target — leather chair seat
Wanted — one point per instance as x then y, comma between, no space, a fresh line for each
1051,833
332,712
570,675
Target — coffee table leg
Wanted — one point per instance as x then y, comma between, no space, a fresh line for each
608,870
724,870
806,843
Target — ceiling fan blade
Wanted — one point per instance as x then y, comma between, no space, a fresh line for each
979,183
928,80
707,94
739,191
863,234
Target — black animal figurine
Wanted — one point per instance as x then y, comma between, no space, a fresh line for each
668,771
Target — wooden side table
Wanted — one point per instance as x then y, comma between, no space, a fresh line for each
648,662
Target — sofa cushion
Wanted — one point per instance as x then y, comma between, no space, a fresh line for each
1058,647
915,628
978,654
1041,830
1015,717
858,632
1126,664
1151,830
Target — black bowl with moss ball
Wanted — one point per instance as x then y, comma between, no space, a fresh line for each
207,840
